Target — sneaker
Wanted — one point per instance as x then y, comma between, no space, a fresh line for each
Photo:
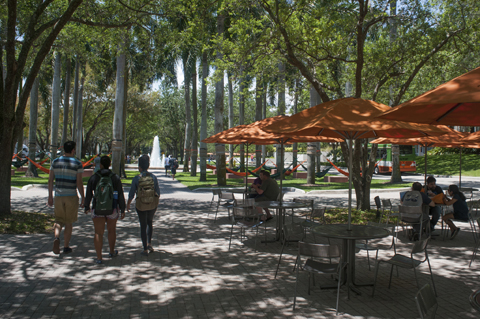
67,250
455,232
150,249
98,261
56,246
114,254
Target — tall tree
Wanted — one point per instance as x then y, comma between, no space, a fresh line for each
66,100
203,124
219,106
194,146
32,134
55,105
117,143
188,115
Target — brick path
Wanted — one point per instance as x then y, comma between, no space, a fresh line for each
192,274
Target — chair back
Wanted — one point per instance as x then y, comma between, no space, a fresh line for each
426,302
411,209
378,203
243,208
216,191
420,246
291,230
387,204
226,195
412,199
280,196
318,250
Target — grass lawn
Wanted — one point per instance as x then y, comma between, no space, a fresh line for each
193,183
26,223
449,164
19,180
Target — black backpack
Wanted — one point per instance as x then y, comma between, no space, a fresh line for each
104,194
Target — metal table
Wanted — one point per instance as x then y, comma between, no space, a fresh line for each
280,208
349,237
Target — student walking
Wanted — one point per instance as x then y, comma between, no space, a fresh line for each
145,187
107,206
66,171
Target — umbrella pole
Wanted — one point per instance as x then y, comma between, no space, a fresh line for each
281,170
425,175
246,175
350,155
460,176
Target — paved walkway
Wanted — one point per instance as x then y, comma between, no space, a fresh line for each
192,274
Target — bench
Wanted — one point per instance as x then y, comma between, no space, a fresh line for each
231,175
87,172
249,180
22,169
300,175
336,179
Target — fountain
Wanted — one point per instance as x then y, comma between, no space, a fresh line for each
155,158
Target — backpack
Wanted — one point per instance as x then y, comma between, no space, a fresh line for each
147,199
174,163
104,202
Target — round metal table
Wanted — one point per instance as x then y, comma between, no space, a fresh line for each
341,231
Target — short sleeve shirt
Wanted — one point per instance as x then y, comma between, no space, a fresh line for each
66,169
270,189
460,208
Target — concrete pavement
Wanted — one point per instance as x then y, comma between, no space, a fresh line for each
192,274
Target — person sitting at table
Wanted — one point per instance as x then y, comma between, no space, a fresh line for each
432,190
267,191
460,209
426,201
257,181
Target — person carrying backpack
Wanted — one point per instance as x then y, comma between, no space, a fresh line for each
105,188
173,166
145,187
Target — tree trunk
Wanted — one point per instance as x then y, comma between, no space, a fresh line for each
230,119
117,143
264,116
79,138
76,84
203,125
281,107
294,111
241,117
219,109
66,101
258,117
55,106
188,116
312,147
194,147
124,126
32,140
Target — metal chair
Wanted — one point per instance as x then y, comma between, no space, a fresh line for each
426,302
378,203
227,198
407,262
475,249
215,192
471,222
309,209
413,212
377,244
317,213
244,215
290,232
315,267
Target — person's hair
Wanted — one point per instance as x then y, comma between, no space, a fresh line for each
105,161
454,189
265,173
416,186
69,146
431,179
144,162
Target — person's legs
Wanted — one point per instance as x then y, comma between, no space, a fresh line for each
150,215
142,218
112,234
435,212
67,235
448,220
99,225
56,241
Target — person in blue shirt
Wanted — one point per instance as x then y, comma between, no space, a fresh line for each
144,217
460,209
432,189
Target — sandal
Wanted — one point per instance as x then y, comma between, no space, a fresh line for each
114,254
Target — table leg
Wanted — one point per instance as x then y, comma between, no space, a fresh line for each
278,230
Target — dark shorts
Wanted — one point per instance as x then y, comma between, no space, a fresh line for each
262,198
167,166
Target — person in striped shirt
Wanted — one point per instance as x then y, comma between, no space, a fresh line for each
67,172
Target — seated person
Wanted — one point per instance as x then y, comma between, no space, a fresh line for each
257,181
426,201
432,189
267,191
460,209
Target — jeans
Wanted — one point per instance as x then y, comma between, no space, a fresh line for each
146,226
435,212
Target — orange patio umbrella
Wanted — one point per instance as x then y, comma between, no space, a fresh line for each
349,119
254,134
453,139
456,102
